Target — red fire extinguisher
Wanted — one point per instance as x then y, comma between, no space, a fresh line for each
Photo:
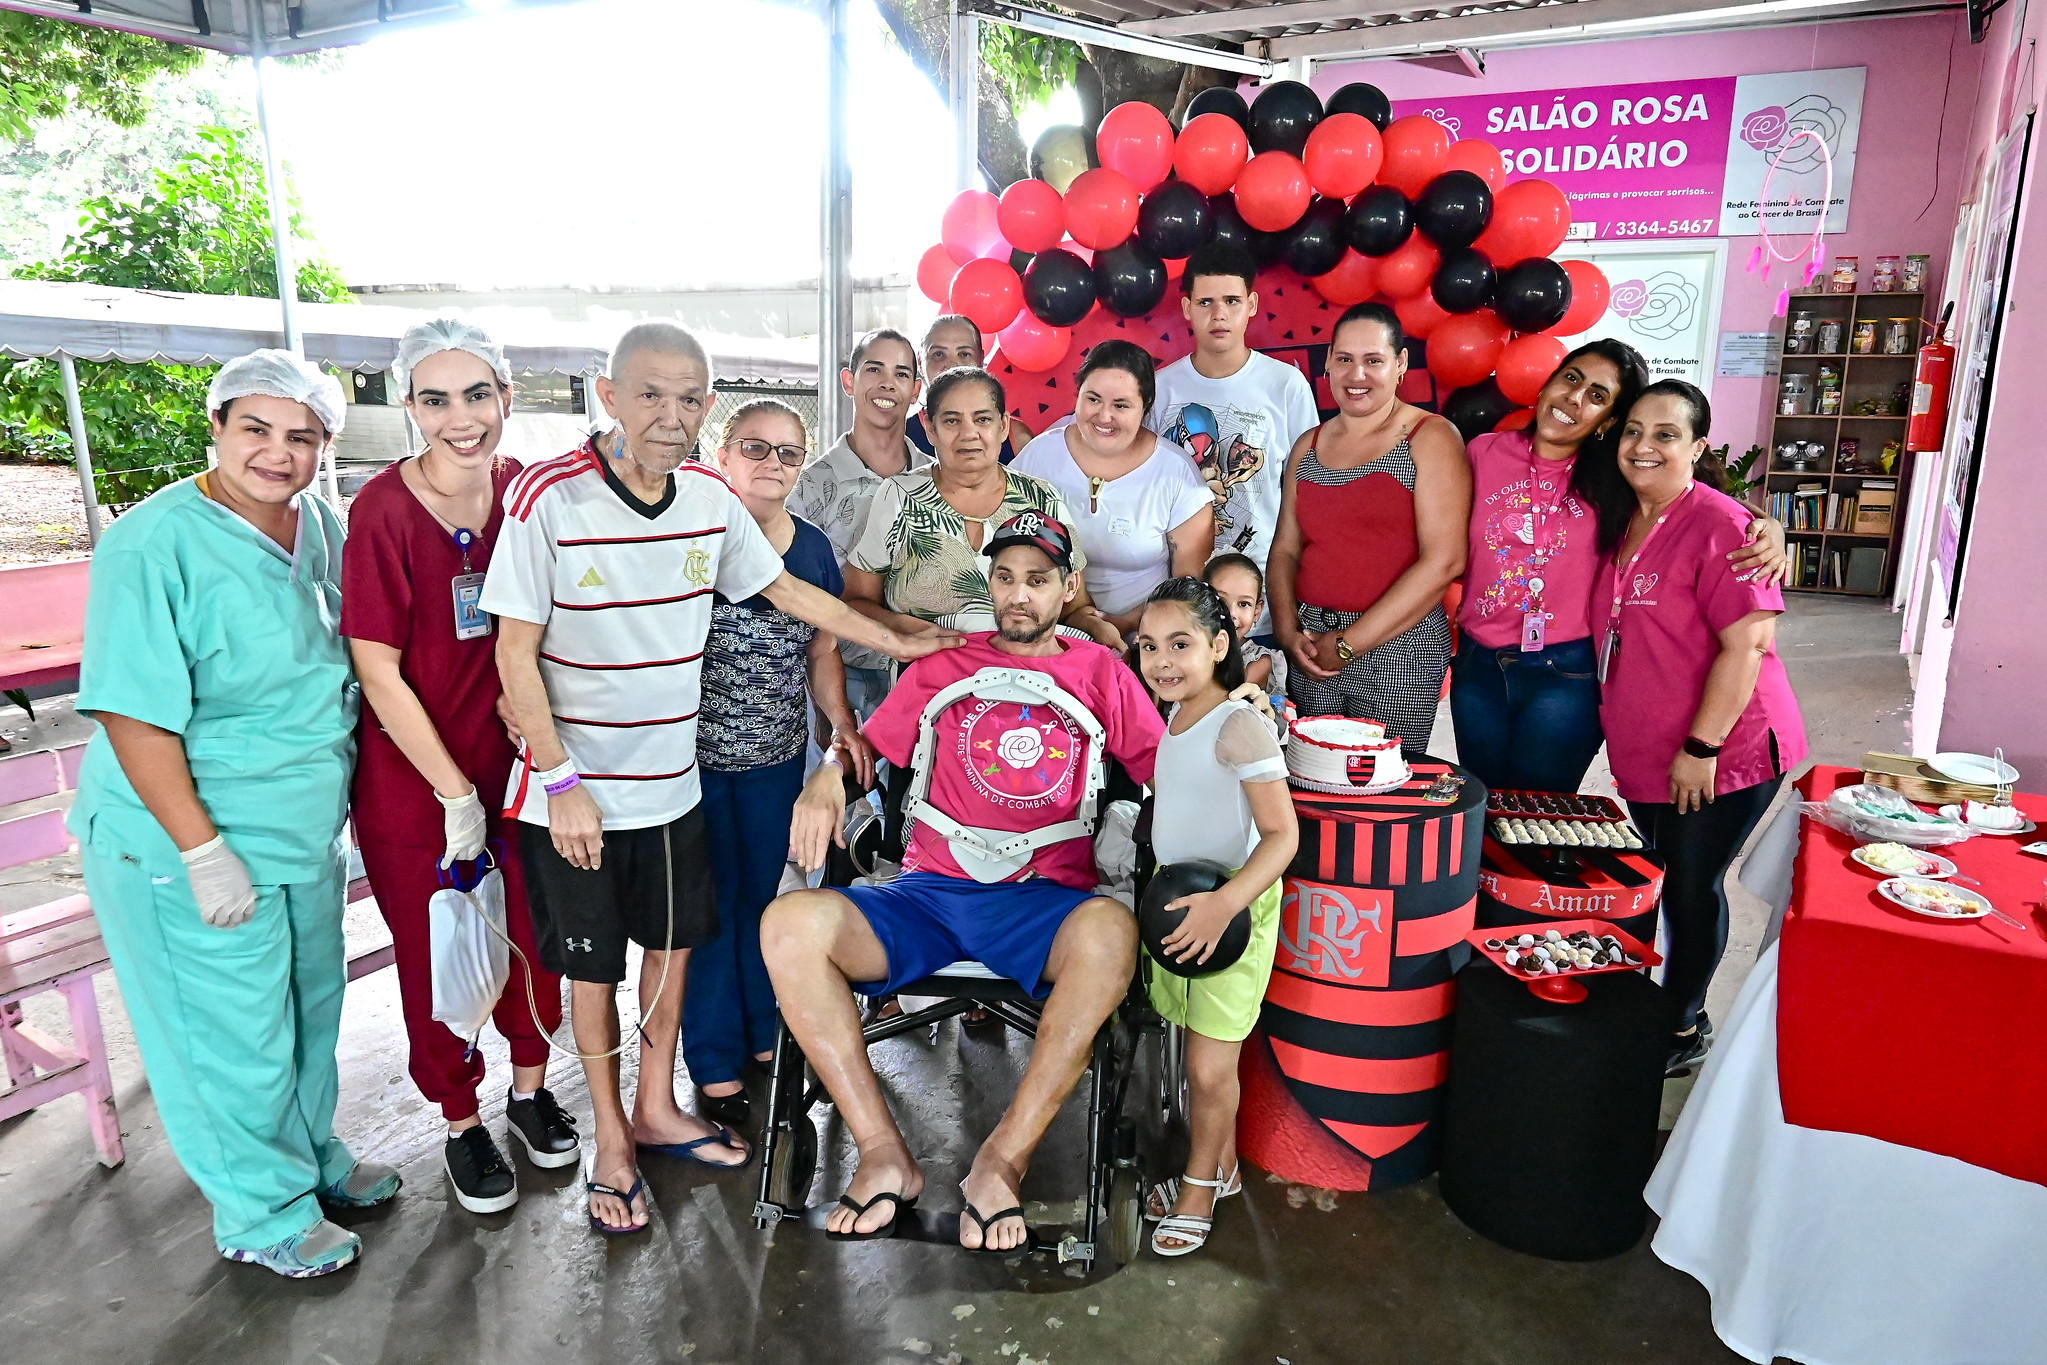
1930,390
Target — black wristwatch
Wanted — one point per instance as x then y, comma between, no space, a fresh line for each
1699,748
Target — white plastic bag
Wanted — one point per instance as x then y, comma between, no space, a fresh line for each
471,963
1876,814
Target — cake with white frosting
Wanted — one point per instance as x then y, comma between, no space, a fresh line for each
1339,755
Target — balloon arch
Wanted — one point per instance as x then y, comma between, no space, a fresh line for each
1338,204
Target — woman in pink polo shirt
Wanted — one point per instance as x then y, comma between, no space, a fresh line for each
1700,720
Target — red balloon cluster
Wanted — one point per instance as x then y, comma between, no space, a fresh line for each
1431,223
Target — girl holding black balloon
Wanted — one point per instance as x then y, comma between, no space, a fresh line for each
1221,799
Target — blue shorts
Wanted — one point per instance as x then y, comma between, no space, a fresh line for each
926,921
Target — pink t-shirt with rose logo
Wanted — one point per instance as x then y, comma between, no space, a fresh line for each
1516,539
1676,598
1008,766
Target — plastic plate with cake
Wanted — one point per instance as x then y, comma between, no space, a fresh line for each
1895,860
1986,818
1935,899
1344,757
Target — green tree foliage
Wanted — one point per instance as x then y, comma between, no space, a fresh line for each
203,228
49,68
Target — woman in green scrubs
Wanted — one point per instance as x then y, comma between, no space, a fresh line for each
210,813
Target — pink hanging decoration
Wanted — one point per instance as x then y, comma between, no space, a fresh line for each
1814,250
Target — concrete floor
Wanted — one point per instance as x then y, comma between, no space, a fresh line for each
105,1266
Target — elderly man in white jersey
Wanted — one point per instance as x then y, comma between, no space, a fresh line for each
602,582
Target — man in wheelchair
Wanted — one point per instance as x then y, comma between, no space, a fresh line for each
1008,734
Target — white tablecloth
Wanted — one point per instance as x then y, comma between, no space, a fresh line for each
1837,1249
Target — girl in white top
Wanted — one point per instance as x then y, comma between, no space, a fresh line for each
1139,508
1221,797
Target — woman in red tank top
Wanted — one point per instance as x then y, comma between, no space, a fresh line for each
1372,530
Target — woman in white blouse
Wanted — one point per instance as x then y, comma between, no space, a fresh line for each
1140,509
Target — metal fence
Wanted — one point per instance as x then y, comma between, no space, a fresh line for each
730,395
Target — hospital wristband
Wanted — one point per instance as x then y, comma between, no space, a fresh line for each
555,781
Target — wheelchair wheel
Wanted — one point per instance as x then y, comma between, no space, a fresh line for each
1124,1214
794,1166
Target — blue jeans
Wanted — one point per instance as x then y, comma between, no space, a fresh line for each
728,1010
1526,722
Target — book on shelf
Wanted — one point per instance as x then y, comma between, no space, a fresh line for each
1865,569
1877,501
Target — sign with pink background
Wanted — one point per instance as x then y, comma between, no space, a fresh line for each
1676,158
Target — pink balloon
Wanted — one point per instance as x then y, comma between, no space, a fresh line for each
935,269
1033,346
970,227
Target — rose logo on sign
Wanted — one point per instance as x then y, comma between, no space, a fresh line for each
1773,126
1334,932
1657,308
1763,129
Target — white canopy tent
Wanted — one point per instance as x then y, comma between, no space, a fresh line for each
72,322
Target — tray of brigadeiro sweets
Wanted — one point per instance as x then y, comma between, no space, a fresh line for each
1558,820
1549,956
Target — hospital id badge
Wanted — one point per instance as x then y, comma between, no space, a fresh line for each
1608,647
472,622
1534,629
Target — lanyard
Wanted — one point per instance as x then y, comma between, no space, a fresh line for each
1620,571
1538,524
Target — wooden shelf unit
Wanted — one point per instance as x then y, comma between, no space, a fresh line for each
1862,377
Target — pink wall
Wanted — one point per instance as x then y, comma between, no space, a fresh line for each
1996,664
1911,62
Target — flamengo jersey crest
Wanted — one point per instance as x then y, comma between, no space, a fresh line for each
1020,757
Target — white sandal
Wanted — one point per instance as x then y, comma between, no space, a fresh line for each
1189,1232
1167,1191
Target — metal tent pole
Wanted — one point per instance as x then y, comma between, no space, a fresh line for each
835,274
964,86
80,448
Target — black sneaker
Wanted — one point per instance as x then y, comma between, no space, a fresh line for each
1705,1028
734,1110
1687,1050
483,1182
545,1129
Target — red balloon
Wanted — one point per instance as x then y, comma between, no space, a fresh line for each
1589,294
1530,218
1175,269
1478,156
1210,152
1525,365
1077,249
1034,346
935,269
988,293
1416,148
1420,314
1410,267
1031,215
1272,191
1355,279
1136,141
969,228
1464,347
1101,209
1343,156
1518,420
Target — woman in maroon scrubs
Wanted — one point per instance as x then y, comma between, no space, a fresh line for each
434,754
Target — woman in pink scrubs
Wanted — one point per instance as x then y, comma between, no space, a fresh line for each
1700,719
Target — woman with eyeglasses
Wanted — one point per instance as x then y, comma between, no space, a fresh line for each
763,669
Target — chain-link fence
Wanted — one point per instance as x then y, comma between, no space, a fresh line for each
736,393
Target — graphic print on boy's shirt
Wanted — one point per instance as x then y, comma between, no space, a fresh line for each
1230,449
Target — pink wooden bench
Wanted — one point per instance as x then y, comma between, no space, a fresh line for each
42,632
52,947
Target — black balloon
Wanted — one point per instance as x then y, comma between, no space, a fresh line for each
1359,98
1174,219
1267,248
1059,288
1220,99
1286,112
1464,281
1379,220
1316,243
1130,279
1227,225
1533,295
1156,924
1453,209
1019,261
1477,408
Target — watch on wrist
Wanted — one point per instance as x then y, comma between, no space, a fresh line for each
1699,748
1344,651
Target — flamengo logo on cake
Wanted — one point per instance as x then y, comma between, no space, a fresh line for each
1679,158
1338,933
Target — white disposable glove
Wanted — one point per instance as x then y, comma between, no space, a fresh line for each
463,822
220,884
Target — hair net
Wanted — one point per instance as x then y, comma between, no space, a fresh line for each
445,334
280,374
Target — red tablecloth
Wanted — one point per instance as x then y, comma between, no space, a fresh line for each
1921,1032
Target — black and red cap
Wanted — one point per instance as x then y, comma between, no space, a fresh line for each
1039,531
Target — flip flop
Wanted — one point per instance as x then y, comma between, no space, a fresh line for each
624,1196
986,1222
903,1205
687,1151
